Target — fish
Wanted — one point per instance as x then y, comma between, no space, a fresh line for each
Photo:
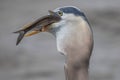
37,26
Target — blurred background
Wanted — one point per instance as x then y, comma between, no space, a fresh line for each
36,58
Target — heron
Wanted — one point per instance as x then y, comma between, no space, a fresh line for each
74,38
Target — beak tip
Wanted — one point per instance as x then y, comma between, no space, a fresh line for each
51,12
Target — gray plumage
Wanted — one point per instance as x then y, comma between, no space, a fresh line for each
74,39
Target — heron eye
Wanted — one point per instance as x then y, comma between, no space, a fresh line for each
60,13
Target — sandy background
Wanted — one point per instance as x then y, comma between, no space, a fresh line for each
36,58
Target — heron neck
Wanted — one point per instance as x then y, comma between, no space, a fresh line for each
75,42
81,74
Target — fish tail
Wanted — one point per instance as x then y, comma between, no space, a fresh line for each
20,37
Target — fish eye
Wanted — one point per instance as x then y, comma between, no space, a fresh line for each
60,13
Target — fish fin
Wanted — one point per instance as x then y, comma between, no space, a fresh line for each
31,33
20,37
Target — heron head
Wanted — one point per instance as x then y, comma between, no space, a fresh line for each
70,16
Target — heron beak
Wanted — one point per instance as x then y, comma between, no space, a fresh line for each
40,25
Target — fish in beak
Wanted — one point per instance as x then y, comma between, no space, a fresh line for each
40,25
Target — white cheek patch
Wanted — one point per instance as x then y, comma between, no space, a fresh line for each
58,24
67,16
